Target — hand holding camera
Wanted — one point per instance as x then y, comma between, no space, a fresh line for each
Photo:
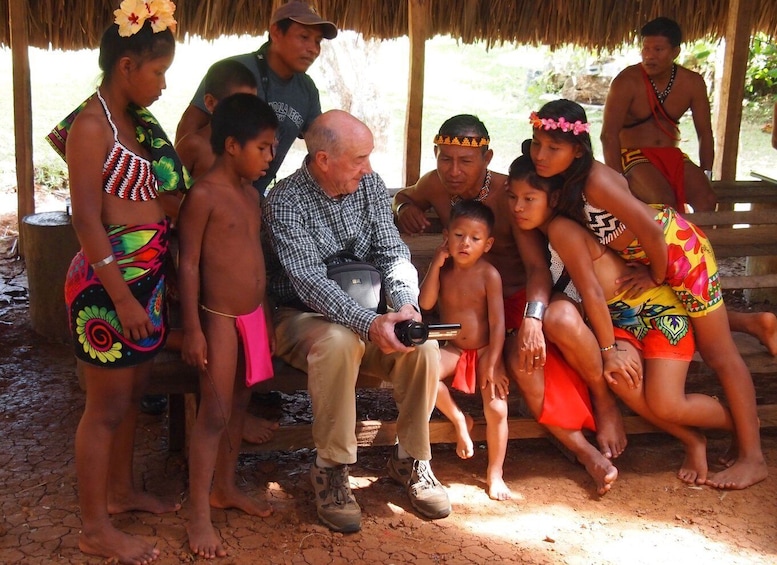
410,332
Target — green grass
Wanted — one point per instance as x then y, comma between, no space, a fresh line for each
491,83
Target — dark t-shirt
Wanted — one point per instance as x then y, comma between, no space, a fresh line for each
295,101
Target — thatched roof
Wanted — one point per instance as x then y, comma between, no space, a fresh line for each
75,24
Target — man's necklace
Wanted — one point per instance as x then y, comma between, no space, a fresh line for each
662,95
481,195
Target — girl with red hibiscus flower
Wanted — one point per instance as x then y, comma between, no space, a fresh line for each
674,250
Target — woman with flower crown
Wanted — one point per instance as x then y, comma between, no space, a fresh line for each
674,251
120,165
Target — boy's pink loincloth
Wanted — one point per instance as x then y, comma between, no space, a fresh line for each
256,346
465,377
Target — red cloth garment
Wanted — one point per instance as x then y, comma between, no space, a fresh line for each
670,162
567,403
256,346
465,378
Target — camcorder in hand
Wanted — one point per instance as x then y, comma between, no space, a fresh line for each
412,333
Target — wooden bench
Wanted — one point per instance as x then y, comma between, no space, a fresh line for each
759,239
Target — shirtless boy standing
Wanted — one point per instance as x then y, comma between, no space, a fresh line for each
222,280
469,291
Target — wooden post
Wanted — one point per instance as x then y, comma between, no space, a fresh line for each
416,16
18,11
731,89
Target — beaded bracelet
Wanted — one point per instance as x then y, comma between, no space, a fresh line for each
107,261
603,349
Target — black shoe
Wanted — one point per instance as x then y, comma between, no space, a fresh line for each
154,404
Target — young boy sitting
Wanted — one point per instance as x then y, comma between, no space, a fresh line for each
468,290
222,283
223,79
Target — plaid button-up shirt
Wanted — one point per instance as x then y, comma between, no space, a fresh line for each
305,226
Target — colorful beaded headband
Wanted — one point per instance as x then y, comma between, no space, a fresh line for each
461,140
132,14
575,128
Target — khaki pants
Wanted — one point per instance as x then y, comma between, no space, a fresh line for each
332,356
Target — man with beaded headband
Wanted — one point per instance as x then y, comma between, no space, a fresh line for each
463,156
640,129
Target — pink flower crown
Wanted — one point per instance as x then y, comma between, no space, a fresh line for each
132,14
575,128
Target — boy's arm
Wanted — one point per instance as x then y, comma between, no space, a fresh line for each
498,381
193,220
430,286
702,122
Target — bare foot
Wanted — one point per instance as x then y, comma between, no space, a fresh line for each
115,545
235,498
203,539
258,430
139,501
765,329
464,446
498,490
694,468
601,470
731,454
742,474
610,434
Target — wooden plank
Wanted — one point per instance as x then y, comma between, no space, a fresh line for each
749,281
725,218
731,192
377,433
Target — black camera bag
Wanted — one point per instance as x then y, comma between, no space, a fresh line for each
358,279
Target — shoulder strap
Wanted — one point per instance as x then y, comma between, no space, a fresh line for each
260,56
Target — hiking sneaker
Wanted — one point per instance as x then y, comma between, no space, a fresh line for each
336,506
426,493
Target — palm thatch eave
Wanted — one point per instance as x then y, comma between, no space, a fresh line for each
78,24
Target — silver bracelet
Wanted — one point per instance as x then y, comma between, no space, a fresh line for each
708,174
107,261
399,207
534,310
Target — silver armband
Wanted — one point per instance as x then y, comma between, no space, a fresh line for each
534,310
708,174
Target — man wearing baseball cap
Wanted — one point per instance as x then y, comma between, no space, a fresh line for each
280,67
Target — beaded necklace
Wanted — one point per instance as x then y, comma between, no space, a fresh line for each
481,194
662,95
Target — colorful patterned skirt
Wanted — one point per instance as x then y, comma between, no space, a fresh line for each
691,271
142,255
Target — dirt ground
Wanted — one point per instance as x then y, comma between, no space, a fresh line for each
554,517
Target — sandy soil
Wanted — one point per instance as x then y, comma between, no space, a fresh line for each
554,517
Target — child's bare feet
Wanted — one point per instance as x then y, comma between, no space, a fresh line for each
258,430
765,329
139,501
235,498
204,541
464,446
600,468
694,468
742,474
497,489
115,545
610,434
